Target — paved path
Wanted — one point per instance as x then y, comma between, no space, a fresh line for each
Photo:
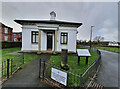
29,76
108,74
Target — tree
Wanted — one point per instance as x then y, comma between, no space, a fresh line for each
98,38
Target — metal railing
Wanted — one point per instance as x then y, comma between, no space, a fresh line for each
74,79
10,66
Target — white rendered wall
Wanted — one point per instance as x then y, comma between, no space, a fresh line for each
27,44
71,45
26,39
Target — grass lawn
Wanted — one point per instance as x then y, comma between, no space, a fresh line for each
73,64
112,49
6,56
27,58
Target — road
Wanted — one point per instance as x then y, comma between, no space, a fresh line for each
108,74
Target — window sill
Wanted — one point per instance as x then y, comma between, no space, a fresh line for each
34,43
63,44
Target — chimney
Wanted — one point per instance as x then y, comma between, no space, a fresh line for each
53,15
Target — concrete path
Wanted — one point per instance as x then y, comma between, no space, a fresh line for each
108,74
29,76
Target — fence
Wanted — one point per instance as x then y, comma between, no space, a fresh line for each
10,66
73,79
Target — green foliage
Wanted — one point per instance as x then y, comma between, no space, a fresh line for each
112,49
5,56
9,44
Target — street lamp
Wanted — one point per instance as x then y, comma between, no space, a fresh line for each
91,37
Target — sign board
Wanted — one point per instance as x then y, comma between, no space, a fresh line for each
83,52
59,76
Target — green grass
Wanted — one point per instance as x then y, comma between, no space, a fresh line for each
74,67
73,62
6,56
111,49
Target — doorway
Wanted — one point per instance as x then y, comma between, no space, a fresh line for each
49,40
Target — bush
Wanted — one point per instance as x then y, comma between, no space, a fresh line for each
10,44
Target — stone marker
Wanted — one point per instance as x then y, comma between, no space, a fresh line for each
64,55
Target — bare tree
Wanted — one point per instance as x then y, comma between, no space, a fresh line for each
98,38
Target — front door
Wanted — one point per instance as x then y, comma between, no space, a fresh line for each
49,40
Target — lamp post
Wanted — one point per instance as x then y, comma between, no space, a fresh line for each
91,37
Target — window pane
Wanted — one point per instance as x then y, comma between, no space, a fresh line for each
34,36
6,30
61,39
19,35
33,33
65,39
33,39
14,35
37,38
5,38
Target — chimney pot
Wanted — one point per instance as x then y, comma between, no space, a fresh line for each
53,15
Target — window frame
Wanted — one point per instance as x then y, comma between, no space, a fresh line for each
35,33
5,38
64,34
6,32
14,35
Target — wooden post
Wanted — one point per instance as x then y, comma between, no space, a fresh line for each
39,42
55,41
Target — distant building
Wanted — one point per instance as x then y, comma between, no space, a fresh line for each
113,44
5,32
17,36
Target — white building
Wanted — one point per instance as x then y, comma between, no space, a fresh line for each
113,44
48,35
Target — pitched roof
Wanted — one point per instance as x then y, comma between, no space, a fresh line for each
1,24
64,23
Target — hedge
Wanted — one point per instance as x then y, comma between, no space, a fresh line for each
7,44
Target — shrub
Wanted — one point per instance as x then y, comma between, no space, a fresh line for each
10,44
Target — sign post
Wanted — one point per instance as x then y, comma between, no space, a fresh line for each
83,53
59,76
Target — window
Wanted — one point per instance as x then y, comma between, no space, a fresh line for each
19,35
14,35
6,30
5,38
64,38
34,37
14,39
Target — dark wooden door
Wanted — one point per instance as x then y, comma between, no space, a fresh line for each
49,40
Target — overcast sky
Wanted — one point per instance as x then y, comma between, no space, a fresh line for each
102,15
